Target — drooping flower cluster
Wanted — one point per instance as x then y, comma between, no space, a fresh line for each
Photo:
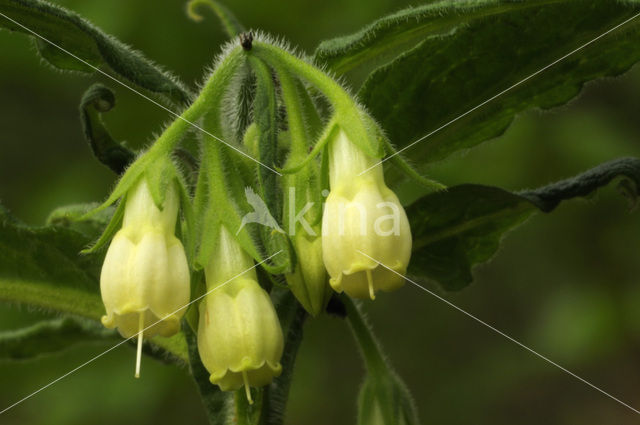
359,244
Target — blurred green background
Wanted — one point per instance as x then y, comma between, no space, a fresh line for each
566,284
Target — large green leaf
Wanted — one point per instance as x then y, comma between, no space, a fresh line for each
51,336
49,23
462,226
56,335
42,267
440,60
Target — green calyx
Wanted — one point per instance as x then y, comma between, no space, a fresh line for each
349,115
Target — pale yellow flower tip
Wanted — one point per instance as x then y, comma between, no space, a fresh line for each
145,277
240,340
366,238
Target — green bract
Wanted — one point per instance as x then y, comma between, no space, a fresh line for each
308,282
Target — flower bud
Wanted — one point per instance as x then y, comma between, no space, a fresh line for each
239,336
365,231
308,282
145,276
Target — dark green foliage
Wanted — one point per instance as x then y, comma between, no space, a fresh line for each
462,226
52,336
435,62
43,267
85,47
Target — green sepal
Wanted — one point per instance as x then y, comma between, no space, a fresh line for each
69,216
329,132
217,204
198,289
361,130
128,179
351,118
159,178
251,140
188,214
298,107
265,111
110,230
409,171
312,119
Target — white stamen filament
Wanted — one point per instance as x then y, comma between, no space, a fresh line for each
140,338
247,388
372,292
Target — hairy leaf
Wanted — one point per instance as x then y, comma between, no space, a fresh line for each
56,335
55,28
68,216
51,336
438,61
42,267
462,226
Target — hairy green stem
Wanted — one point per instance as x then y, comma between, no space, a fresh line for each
410,172
369,345
347,111
292,101
216,402
231,25
209,98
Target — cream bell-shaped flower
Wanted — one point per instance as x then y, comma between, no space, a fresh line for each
239,335
145,276
365,231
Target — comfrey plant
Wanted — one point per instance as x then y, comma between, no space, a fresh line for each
277,194
361,237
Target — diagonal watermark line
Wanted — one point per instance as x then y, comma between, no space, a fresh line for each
133,336
541,70
504,335
139,93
